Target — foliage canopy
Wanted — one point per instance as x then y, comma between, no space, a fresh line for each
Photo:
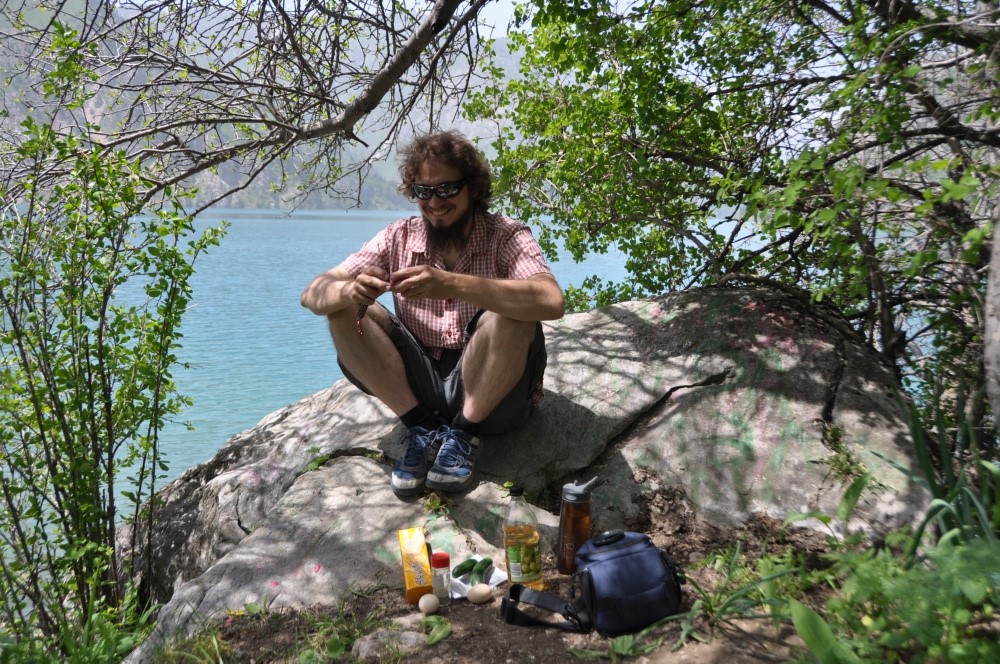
844,151
219,94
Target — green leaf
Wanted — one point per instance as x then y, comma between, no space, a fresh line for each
851,496
336,647
796,517
623,645
309,656
440,629
818,636
974,590
584,653
956,191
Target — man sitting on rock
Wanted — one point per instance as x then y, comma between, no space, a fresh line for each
464,354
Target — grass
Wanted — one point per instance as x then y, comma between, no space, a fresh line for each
298,636
844,463
872,603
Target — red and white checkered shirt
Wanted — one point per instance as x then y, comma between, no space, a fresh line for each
498,248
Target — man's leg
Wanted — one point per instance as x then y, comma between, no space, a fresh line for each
372,358
494,363
375,364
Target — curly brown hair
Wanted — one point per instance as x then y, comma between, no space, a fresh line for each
453,148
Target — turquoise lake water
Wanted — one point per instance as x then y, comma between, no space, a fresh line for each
251,348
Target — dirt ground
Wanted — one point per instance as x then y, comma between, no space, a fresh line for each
481,636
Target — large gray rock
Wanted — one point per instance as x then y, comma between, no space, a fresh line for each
750,401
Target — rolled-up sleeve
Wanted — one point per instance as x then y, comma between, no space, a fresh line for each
522,255
374,252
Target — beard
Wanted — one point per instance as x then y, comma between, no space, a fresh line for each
453,236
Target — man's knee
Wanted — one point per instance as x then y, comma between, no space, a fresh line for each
346,321
506,329
340,320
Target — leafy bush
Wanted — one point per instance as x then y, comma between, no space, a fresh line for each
85,371
920,599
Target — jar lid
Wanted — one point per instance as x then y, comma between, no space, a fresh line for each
440,559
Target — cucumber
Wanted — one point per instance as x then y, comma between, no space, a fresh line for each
479,571
463,568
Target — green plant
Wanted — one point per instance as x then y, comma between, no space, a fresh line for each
317,461
319,636
626,645
844,464
852,494
744,592
966,494
311,656
920,600
204,648
92,292
436,504
331,637
262,608
939,610
818,636
682,137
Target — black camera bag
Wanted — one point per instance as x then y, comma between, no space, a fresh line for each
626,583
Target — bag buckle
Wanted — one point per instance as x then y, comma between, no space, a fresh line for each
508,605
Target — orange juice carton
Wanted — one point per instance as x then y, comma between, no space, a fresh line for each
413,549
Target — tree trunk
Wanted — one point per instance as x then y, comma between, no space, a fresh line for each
991,344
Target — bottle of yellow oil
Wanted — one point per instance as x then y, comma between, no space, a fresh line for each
521,542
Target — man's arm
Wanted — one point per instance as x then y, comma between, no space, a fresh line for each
533,299
536,298
336,289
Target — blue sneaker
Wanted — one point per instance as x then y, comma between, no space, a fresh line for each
410,471
455,464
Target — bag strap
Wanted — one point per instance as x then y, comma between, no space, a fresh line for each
577,619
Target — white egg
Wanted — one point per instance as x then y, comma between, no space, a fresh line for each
480,593
429,604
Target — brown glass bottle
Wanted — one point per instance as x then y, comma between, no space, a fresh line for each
574,524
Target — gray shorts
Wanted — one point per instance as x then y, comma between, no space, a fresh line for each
437,384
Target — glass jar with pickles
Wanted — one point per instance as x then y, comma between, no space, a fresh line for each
521,542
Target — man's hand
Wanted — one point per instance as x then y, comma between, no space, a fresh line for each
420,281
337,289
368,285
536,298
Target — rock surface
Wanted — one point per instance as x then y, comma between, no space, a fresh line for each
750,401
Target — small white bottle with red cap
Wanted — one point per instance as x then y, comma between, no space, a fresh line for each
441,576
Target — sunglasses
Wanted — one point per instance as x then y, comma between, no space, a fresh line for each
443,190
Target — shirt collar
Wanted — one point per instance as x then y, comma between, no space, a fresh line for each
417,241
480,232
